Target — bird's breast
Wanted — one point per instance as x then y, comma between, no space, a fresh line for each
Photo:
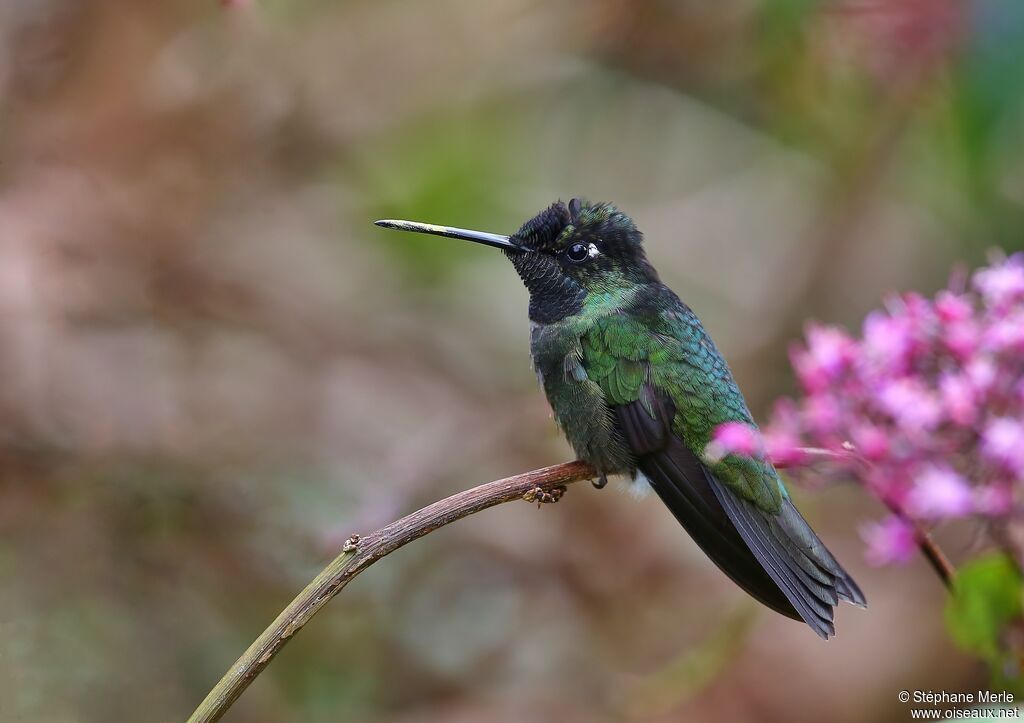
578,404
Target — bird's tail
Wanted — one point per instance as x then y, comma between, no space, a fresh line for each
794,557
776,558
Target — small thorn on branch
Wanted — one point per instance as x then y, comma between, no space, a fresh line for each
351,544
545,497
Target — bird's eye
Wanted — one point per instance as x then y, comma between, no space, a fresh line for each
578,252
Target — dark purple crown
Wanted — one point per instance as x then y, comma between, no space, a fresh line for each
616,231
541,231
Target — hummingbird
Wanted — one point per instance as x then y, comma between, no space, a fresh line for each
637,386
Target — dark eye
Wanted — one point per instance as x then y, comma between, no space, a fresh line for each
577,253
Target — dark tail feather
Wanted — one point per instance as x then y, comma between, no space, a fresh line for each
797,560
700,513
778,559
795,527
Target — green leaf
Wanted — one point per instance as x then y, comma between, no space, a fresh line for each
986,597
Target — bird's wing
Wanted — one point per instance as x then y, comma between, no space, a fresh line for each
668,387
668,349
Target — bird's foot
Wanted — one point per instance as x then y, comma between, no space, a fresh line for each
600,482
544,497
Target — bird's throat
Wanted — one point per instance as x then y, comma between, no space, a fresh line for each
553,295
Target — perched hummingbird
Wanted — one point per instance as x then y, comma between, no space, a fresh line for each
638,387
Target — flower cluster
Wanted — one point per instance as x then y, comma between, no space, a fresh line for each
925,409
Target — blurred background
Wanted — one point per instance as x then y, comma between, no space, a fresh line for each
214,368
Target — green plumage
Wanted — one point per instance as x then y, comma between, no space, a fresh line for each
608,354
638,387
670,350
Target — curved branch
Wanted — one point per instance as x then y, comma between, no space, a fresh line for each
542,485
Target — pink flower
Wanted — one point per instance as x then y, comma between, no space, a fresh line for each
1006,334
826,356
823,415
982,373
783,449
910,404
939,492
952,307
959,399
889,541
1002,441
933,387
1002,283
870,441
734,438
915,306
887,341
962,338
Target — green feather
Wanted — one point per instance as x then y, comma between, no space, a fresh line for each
671,349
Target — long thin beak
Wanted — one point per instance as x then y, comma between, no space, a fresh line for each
481,237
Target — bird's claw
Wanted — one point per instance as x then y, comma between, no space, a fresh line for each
600,482
544,497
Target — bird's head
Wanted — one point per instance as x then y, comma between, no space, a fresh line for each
565,255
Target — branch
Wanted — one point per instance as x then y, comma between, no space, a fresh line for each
939,562
542,485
